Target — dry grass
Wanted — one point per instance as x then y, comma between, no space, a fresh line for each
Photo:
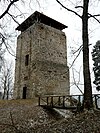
19,101
22,116
25,116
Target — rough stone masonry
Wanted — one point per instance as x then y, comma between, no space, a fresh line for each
41,58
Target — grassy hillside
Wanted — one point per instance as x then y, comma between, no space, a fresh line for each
22,116
25,116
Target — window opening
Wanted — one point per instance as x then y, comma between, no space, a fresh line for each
27,60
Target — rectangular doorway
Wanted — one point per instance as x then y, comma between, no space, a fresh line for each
24,92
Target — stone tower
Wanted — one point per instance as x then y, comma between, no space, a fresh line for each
41,58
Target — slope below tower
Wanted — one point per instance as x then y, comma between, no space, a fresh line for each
41,58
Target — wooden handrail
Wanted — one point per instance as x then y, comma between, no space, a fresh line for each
49,100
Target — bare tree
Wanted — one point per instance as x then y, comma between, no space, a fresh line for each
7,80
4,13
11,13
88,103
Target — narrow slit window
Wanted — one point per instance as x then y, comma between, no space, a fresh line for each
27,60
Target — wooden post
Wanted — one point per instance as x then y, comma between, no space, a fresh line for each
52,101
47,101
59,102
63,101
96,101
79,104
79,99
39,101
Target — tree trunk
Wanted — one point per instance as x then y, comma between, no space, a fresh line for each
88,103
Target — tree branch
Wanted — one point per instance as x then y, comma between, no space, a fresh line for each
94,16
13,18
90,15
69,9
97,15
81,47
8,49
79,7
6,11
76,56
76,84
4,42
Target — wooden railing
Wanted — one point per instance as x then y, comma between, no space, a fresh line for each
66,102
96,100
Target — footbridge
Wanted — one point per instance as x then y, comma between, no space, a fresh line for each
73,102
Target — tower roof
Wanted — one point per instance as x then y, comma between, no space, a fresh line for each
39,17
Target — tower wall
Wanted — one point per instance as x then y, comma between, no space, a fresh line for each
41,63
